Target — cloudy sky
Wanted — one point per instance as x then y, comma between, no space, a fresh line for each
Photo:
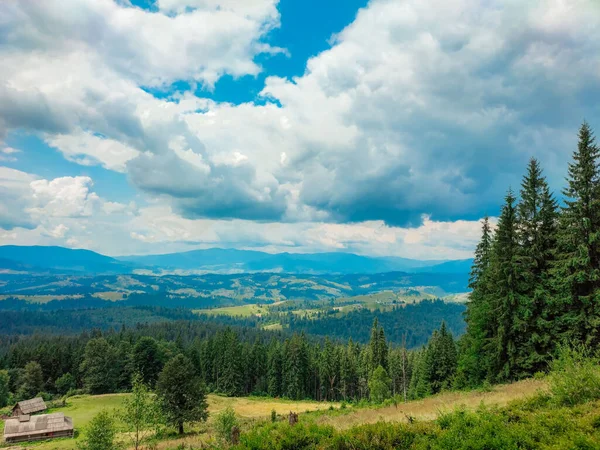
382,127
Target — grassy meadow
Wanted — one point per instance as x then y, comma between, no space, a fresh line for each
254,410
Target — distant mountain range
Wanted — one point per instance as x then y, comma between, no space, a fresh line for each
215,260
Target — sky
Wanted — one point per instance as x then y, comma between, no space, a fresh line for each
382,127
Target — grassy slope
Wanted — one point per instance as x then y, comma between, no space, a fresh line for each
83,408
429,408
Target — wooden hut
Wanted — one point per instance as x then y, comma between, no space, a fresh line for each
28,407
36,428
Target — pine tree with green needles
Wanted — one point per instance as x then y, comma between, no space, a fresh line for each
33,380
295,367
231,378
505,295
379,385
420,385
378,346
537,233
443,359
577,273
147,360
274,381
474,363
4,388
98,367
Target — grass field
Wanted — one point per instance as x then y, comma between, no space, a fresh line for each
236,311
430,407
83,408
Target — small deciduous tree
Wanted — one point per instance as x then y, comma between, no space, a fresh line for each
101,433
139,413
225,422
180,393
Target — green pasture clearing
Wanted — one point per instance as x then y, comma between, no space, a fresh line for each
237,311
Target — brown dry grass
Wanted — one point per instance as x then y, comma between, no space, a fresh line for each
429,408
248,407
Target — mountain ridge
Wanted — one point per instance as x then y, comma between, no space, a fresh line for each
216,260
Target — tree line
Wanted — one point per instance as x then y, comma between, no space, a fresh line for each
229,361
536,276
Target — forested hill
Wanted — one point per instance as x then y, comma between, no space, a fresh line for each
415,323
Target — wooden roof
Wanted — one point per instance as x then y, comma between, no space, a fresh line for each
45,423
32,406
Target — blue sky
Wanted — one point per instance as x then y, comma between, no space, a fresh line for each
387,127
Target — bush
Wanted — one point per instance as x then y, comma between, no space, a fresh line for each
224,424
574,376
273,416
100,434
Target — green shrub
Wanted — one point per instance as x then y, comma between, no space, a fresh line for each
225,422
281,436
574,376
100,434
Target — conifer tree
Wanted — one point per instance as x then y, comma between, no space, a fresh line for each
578,266
444,359
274,380
505,294
537,230
473,365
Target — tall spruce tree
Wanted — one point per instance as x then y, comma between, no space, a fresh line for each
473,365
537,233
505,295
578,266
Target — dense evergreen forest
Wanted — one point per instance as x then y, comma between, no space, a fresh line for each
231,361
411,324
536,278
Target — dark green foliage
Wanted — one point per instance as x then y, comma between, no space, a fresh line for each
536,281
100,433
147,360
4,388
473,364
413,323
578,260
505,294
32,381
434,368
180,393
379,385
537,230
98,367
65,383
